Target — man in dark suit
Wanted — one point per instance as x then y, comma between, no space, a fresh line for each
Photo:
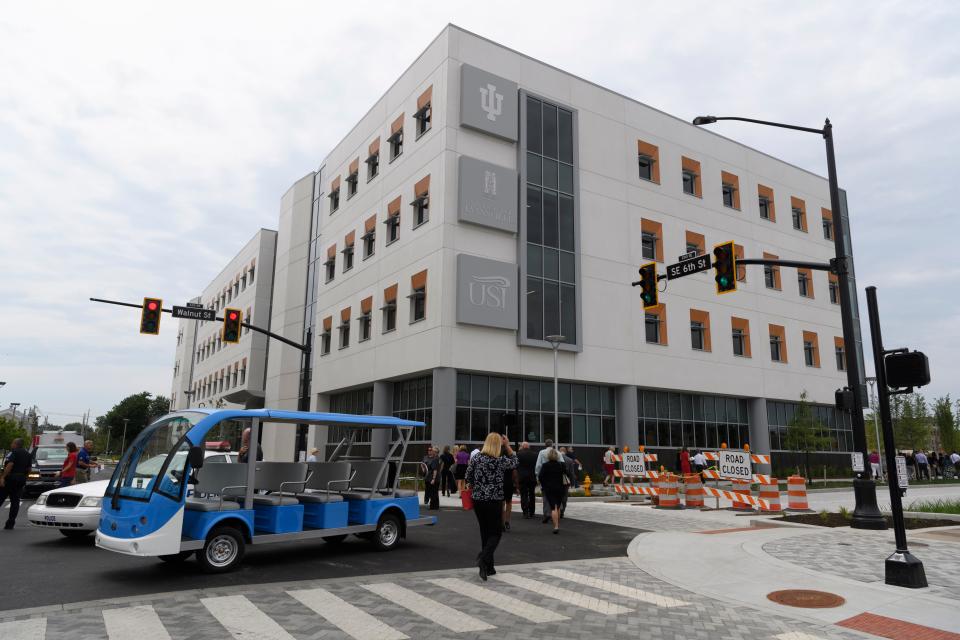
526,472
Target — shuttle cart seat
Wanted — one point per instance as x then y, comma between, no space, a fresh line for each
367,485
326,479
283,479
221,480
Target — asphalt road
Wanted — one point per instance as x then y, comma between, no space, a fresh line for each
41,567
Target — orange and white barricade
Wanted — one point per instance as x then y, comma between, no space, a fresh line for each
770,492
797,494
722,494
693,492
669,492
626,486
742,487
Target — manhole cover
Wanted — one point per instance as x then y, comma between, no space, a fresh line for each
806,598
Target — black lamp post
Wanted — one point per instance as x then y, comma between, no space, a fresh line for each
866,515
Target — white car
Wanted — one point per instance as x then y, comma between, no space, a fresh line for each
75,509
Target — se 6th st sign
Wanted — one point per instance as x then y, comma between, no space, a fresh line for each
735,464
687,267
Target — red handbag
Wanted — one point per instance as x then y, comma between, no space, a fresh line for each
466,497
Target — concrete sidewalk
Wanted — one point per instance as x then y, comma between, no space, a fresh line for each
732,566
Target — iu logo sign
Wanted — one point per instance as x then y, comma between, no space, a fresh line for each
489,291
491,102
490,184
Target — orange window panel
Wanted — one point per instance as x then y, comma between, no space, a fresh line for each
812,338
656,228
776,270
390,293
693,166
345,315
797,203
327,325
661,312
767,193
703,317
397,124
422,187
393,207
335,184
808,274
697,239
743,325
419,280
425,98
653,152
366,305
374,147
741,269
777,331
354,167
733,181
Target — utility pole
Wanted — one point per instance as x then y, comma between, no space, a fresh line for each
123,443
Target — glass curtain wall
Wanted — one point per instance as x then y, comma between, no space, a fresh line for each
834,425
413,400
669,419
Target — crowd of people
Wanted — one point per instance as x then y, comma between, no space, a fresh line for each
921,465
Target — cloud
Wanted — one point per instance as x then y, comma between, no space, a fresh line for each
141,145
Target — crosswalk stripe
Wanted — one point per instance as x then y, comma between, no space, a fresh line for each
243,619
564,595
353,621
31,629
613,587
432,610
797,635
137,623
501,601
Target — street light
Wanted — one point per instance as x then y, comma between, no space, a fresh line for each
123,443
866,514
555,341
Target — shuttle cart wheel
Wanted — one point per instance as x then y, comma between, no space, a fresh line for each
75,534
387,535
335,539
223,550
175,558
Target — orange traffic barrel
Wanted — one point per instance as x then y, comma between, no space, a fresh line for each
770,493
669,492
743,488
693,490
797,494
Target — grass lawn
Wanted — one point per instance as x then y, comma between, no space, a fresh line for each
935,506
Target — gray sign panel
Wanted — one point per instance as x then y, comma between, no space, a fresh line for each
486,292
488,194
488,103
193,313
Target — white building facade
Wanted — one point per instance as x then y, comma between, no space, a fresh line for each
488,201
209,372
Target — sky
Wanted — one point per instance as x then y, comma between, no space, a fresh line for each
142,144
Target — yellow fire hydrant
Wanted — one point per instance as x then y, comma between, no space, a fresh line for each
586,485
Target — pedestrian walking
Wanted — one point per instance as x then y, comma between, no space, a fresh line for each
430,465
13,477
570,466
542,458
462,459
608,466
68,472
84,462
578,467
551,475
875,468
684,462
447,483
955,461
699,461
484,477
923,466
527,479
509,488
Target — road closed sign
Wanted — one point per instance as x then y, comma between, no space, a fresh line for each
735,464
634,464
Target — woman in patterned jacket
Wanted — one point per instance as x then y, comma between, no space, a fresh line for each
485,479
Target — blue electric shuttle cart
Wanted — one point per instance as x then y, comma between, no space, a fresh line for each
148,509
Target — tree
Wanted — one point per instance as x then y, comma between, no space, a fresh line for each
74,426
10,429
946,424
805,432
911,424
138,409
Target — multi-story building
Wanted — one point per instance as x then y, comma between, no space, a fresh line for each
209,372
490,206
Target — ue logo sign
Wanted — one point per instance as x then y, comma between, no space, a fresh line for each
488,103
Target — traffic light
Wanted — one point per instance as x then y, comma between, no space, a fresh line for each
725,265
231,325
648,285
150,316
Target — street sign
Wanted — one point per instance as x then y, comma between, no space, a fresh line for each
686,267
903,480
195,305
688,256
193,313
856,460
734,465
634,464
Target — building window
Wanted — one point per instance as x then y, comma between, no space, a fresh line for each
424,113
764,208
353,178
690,183
797,218
804,284
413,400
696,243
348,257
549,218
668,419
833,424
344,333
739,342
396,138
808,353
648,158
841,357
330,264
418,296
771,273
827,229
798,212
728,193
335,197
366,324
730,189
358,402
691,176
421,202
776,349
834,290
243,282
369,237
648,246
696,335
389,308
252,268
393,221
325,336
652,324
373,160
